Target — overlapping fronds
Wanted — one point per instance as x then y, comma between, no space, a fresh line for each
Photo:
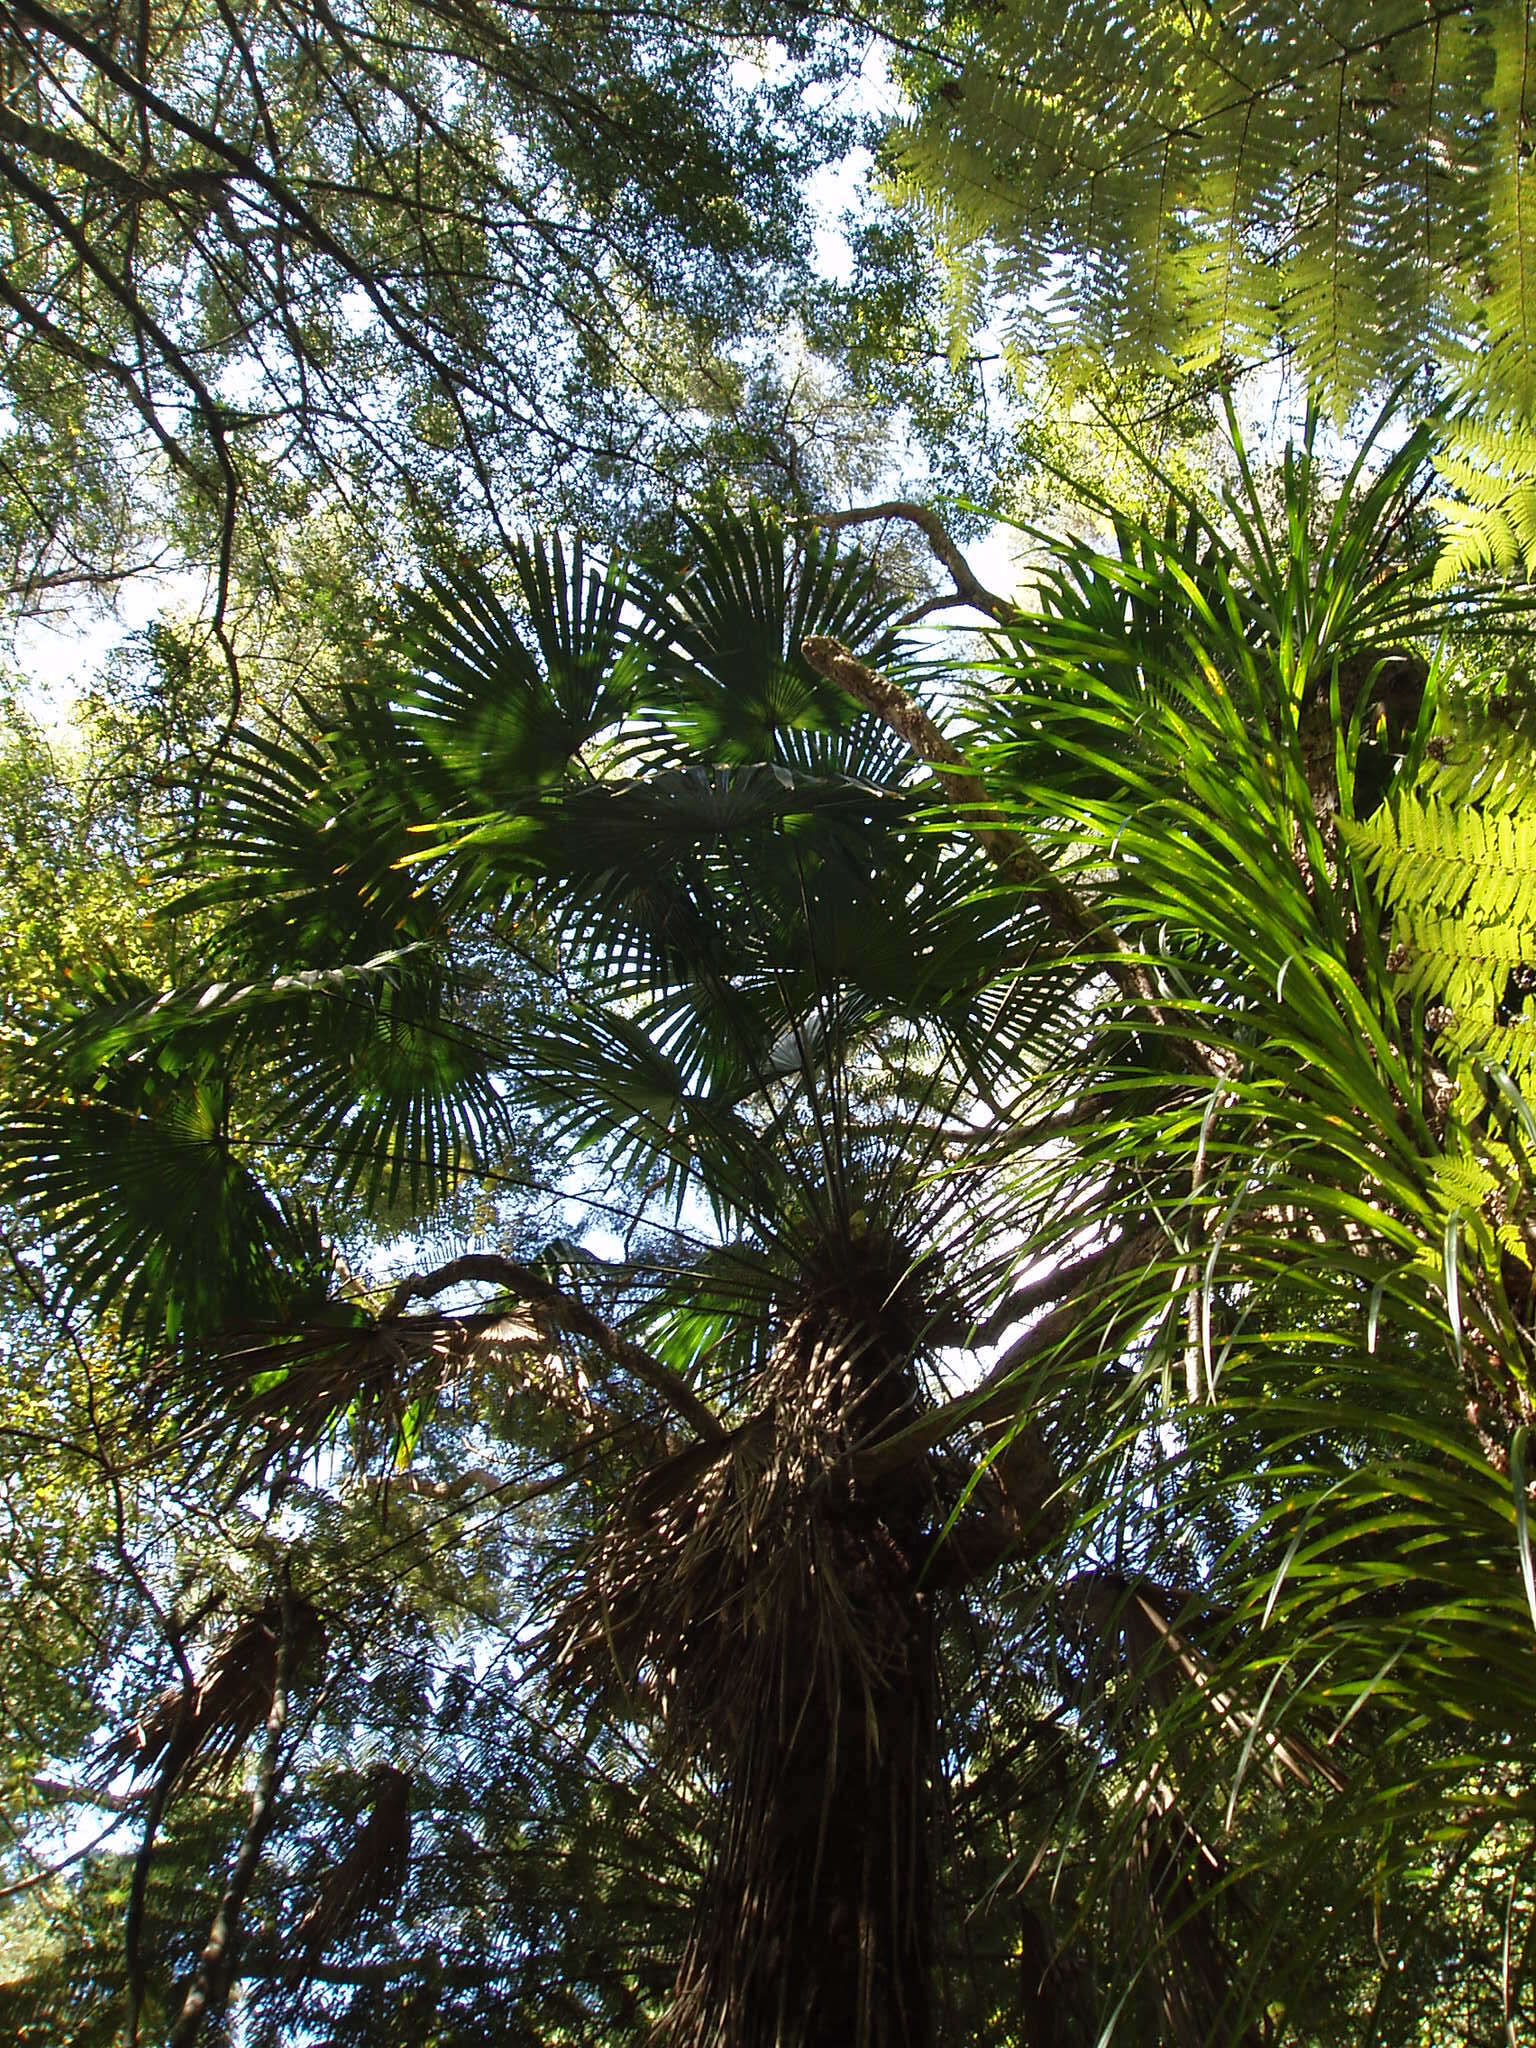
1323,1360
1347,180
134,1167
1454,859
731,614
139,1138
1106,1074
1488,507
503,698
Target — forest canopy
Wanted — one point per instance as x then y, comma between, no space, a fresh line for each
760,1293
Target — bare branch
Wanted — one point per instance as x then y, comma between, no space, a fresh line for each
968,588
1062,1279
90,1795
563,1312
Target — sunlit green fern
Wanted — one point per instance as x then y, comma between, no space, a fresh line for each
1488,507
1455,860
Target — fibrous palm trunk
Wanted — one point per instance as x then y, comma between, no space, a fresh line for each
815,1930
773,1610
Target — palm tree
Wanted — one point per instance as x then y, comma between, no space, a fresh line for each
881,1045
629,864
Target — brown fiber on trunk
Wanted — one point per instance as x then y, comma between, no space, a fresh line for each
768,1607
815,1927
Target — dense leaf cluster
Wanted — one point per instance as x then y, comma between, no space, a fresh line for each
1023,1478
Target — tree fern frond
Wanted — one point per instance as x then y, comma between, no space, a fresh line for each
1488,509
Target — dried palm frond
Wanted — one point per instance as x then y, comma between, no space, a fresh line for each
718,1544
366,1883
205,1727
1133,1622
291,1390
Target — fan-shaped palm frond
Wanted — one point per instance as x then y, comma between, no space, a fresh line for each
149,1202
1062,1177
731,616
504,703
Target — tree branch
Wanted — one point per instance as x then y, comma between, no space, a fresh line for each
968,588
1050,1287
565,1313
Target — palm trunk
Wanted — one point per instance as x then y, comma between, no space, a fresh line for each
816,1925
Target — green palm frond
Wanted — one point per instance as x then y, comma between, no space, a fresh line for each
125,1151
298,857
504,700
732,614
1324,1354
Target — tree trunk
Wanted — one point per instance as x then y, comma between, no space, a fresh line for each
815,1928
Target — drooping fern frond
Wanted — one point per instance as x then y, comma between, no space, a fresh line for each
1488,506
1197,184
1455,861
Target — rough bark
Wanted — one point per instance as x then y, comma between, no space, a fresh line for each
821,1714
816,1926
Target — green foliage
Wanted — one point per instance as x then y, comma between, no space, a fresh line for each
73,869
1489,470
653,1559
1348,181
1454,858
400,271
1322,1344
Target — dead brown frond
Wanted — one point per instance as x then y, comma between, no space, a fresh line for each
365,1884
205,1727
1175,1882
1173,1888
292,1390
